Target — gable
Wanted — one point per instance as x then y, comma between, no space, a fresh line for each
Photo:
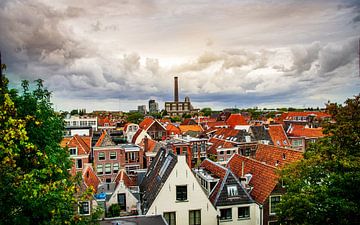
222,193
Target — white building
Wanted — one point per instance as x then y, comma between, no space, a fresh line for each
170,189
80,125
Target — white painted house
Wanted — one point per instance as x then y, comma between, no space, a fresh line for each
170,189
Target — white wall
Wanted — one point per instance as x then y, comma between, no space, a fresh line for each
197,199
80,132
131,201
254,215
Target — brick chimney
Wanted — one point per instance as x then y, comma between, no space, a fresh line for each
176,89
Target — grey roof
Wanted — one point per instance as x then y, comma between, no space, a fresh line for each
135,220
261,133
220,197
158,172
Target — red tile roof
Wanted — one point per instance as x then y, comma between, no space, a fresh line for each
90,178
122,176
165,120
214,168
172,129
302,131
292,115
216,144
104,140
216,124
82,143
151,144
146,123
236,119
264,177
278,135
273,156
223,133
189,121
186,128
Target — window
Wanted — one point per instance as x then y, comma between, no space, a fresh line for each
122,200
181,193
101,155
221,152
232,190
274,200
79,163
84,208
297,142
112,155
194,217
244,212
225,214
108,168
177,151
73,151
99,169
170,217
228,152
115,167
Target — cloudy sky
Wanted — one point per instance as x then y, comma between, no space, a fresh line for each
99,54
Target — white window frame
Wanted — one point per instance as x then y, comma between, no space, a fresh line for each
232,190
76,151
115,156
77,165
102,169
80,205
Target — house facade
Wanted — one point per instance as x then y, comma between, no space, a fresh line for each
171,189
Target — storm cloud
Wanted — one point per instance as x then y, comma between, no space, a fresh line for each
100,55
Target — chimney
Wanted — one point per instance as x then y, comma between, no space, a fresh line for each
176,89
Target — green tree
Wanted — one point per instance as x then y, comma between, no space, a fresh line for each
175,119
114,210
323,188
135,117
35,186
206,111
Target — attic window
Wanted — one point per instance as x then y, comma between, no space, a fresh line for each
232,190
278,142
285,142
73,151
277,162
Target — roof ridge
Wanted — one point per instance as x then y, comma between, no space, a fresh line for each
251,159
284,148
216,164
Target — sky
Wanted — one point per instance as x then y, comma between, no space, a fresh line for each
116,55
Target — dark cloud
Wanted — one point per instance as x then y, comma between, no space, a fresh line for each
69,47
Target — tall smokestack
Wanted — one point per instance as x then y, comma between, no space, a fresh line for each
176,89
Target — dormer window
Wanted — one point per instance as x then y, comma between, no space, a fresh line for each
73,151
232,190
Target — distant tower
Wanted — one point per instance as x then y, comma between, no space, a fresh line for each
176,89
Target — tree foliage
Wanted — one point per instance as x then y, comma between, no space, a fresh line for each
135,117
35,186
324,187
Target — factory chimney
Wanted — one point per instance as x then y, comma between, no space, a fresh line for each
176,89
